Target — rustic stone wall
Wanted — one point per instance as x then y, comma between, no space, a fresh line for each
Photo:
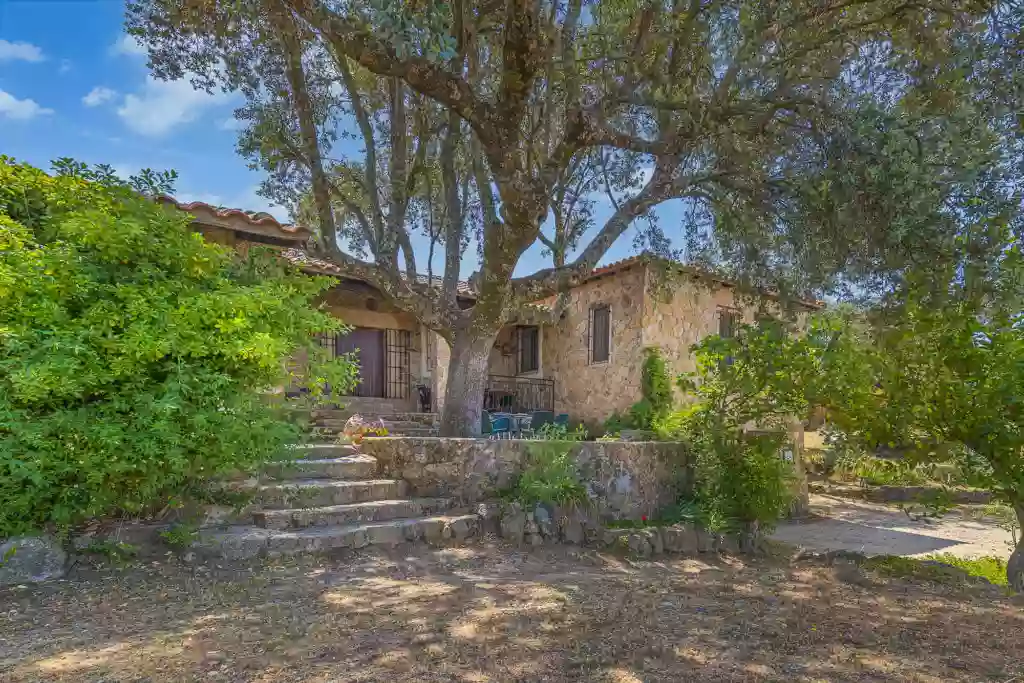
680,311
590,392
624,480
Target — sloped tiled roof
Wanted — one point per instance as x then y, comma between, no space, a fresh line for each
646,258
257,221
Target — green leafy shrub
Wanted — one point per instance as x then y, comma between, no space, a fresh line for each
875,471
683,511
134,356
180,535
549,477
741,480
560,432
614,425
656,388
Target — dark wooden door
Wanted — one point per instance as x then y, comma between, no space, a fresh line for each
368,345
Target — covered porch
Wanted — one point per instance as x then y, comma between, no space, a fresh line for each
516,381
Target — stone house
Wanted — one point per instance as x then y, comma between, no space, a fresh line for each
588,364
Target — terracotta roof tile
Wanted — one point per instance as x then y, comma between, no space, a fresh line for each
647,257
255,218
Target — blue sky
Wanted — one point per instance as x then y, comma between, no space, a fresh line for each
73,84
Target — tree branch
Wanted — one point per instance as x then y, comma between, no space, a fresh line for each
369,181
307,128
359,43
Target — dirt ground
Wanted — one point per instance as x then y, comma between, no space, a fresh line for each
877,529
494,613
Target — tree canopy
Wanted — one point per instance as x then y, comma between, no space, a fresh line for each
813,146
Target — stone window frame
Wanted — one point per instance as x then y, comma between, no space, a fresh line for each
590,335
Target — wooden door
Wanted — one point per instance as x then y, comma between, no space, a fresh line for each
368,345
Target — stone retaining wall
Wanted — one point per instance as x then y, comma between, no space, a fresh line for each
624,480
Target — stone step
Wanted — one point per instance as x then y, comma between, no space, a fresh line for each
242,542
394,429
357,466
373,511
338,425
321,451
344,414
310,493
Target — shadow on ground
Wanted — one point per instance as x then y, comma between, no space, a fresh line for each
877,529
493,613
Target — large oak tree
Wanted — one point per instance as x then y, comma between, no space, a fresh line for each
788,128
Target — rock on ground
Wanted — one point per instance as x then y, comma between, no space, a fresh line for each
31,559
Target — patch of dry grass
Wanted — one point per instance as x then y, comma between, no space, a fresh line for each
492,613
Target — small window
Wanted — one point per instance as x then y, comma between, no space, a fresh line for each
600,333
728,321
529,349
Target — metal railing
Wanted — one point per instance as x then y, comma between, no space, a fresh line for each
505,393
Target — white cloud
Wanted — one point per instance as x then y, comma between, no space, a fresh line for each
128,46
65,66
162,105
23,110
98,96
21,50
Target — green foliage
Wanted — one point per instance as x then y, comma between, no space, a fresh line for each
117,552
134,356
940,568
943,368
560,432
992,569
180,535
686,511
741,479
549,477
873,471
615,423
757,377
656,402
656,388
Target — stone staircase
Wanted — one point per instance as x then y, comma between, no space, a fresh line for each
332,496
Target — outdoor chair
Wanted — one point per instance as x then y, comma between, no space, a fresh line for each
494,428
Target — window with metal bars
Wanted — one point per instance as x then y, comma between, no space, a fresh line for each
529,349
329,341
600,342
397,371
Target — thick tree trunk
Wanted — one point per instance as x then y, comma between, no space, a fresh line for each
1015,565
467,377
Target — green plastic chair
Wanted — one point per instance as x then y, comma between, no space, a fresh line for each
492,428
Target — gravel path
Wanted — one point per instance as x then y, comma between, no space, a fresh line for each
876,529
